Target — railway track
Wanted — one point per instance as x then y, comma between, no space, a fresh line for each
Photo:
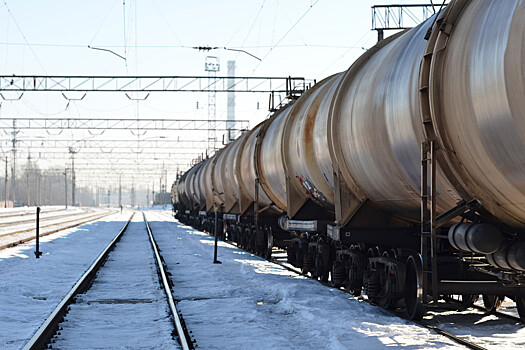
119,281
397,313
69,224
19,213
46,218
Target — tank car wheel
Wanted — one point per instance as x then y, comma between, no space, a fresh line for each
338,273
238,235
520,305
246,239
356,274
414,287
369,280
299,256
389,299
269,239
322,261
291,252
252,244
309,262
492,302
467,300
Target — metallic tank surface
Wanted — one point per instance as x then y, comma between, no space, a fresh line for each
402,177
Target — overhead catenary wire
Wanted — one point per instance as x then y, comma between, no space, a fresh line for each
290,20
24,37
286,34
176,46
103,21
167,22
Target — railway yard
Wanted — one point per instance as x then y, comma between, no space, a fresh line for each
245,302
326,182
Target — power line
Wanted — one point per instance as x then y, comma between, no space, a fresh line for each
285,34
102,23
24,37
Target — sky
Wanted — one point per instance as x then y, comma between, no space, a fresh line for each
303,38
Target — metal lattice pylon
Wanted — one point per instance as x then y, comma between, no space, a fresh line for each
212,67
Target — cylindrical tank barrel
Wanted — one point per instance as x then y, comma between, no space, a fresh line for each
479,106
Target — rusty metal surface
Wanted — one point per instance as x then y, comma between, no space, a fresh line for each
367,124
200,185
207,185
379,129
247,172
225,170
190,186
223,194
272,174
305,144
180,190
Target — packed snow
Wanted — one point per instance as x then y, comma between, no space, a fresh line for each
13,230
31,288
249,303
125,306
244,303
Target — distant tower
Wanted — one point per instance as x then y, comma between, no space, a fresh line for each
230,117
13,169
212,66
132,195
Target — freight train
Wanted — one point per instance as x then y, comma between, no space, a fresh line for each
402,177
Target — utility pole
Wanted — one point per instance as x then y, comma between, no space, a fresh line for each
39,189
120,192
165,188
13,169
65,185
132,195
29,168
147,197
72,151
27,189
5,183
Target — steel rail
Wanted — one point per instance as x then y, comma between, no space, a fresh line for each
77,223
437,330
42,336
28,212
182,335
47,218
497,313
85,215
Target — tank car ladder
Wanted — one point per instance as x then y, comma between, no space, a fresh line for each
428,220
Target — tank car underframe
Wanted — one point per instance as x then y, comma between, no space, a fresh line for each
392,261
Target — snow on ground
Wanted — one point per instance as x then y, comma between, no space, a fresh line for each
24,211
27,230
31,288
21,216
244,303
488,331
249,303
126,307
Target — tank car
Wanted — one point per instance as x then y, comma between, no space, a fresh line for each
403,177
